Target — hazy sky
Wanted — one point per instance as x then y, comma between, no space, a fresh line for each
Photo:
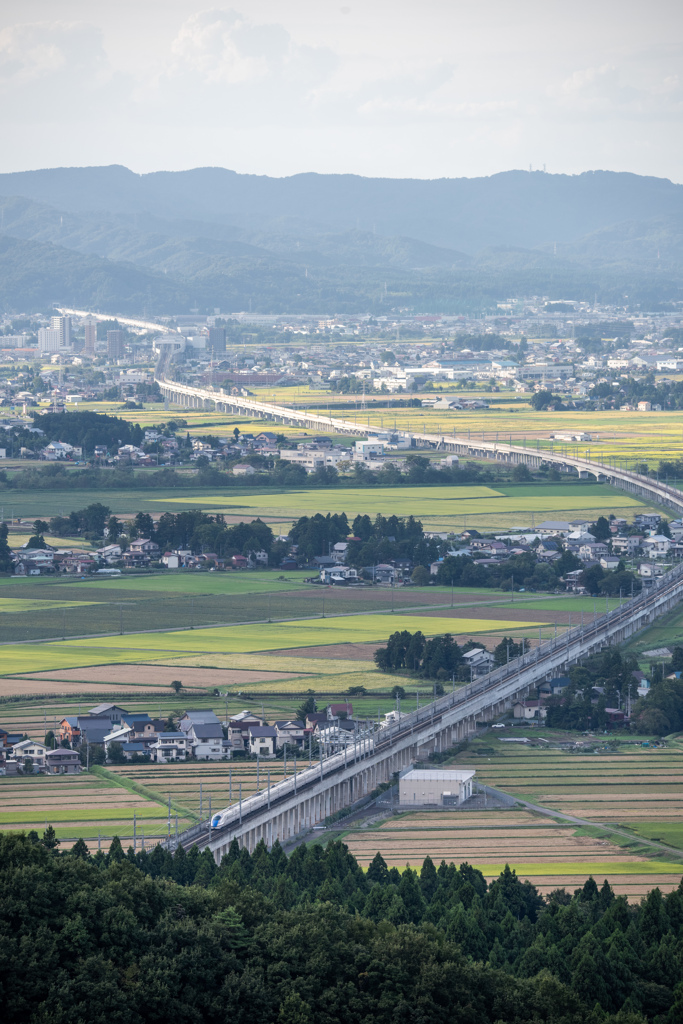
400,88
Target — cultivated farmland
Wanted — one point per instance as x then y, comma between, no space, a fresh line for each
551,856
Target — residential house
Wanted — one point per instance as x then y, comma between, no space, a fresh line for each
529,709
293,732
243,469
593,551
337,734
339,711
647,520
205,735
649,571
609,562
573,582
339,575
170,746
554,526
553,687
30,748
262,740
238,729
62,762
657,546
8,739
111,711
339,552
109,553
316,719
208,742
140,552
627,545
479,660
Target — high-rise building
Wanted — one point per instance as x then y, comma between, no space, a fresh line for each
63,325
217,339
115,345
90,327
49,339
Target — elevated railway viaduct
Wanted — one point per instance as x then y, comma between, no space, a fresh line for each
299,802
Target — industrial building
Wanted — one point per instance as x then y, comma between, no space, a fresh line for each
432,787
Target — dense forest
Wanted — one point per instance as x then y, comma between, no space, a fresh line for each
311,939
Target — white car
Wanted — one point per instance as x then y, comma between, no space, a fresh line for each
498,725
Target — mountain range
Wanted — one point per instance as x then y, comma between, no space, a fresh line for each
105,237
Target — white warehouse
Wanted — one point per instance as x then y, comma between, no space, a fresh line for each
433,787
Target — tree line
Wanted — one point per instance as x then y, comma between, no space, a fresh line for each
151,937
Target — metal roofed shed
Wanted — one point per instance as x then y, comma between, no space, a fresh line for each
432,787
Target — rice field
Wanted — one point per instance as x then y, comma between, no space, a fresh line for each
635,784
447,508
81,806
549,855
19,659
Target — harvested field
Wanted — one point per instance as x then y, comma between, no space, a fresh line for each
81,806
160,675
219,782
549,855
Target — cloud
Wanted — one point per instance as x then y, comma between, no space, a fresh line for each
57,71
44,49
223,47
609,90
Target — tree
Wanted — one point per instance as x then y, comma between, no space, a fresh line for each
521,474
398,691
49,840
5,552
50,739
114,529
116,851
115,753
309,707
236,434
80,849
144,524
28,766
601,530
176,685
421,576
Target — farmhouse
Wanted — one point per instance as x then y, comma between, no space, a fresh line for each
434,787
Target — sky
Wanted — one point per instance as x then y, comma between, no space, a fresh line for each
386,88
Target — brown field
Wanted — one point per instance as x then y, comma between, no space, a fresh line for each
161,675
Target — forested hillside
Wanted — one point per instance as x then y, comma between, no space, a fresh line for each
311,939
106,237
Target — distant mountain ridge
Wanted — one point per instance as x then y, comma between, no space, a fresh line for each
213,237
511,208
